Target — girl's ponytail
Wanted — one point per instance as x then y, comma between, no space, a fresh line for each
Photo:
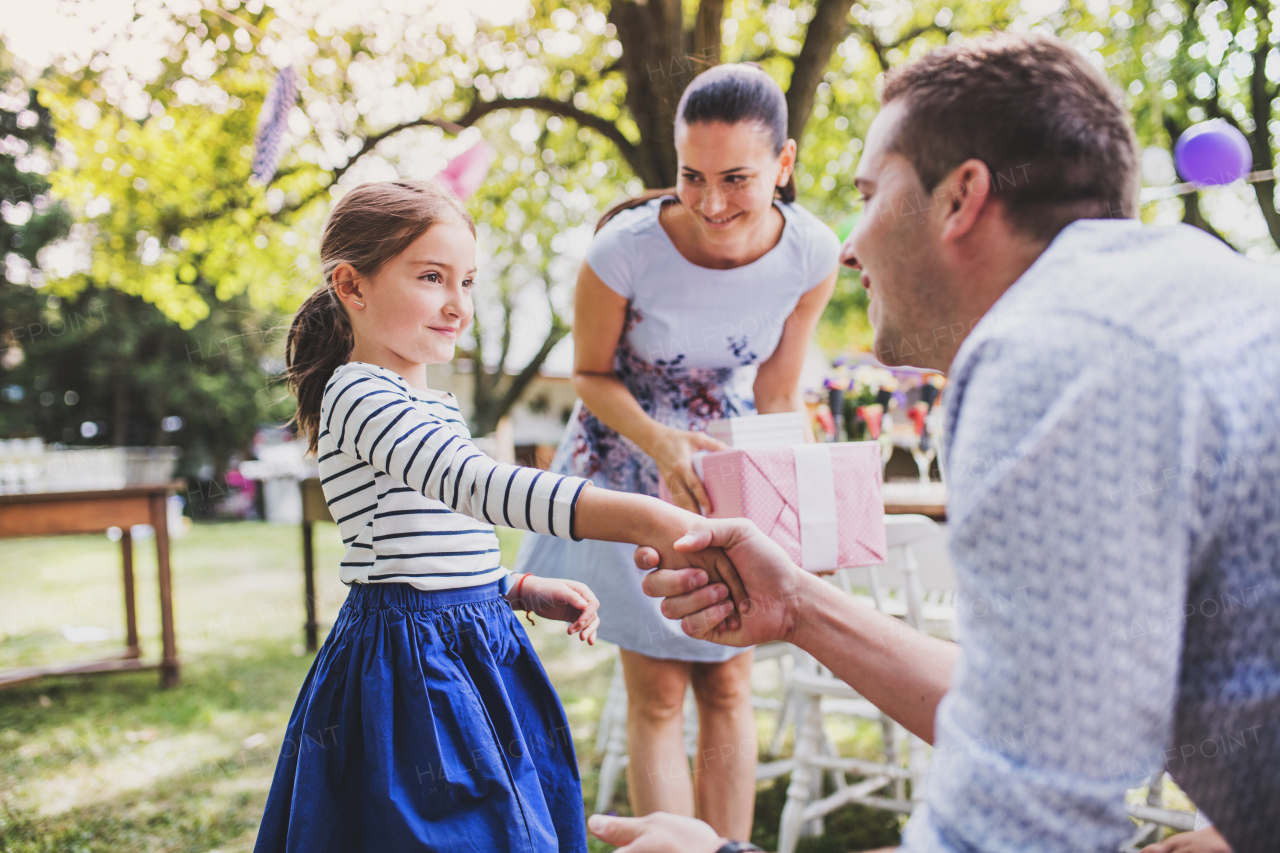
368,226
319,342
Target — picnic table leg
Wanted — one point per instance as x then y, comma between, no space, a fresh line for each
169,660
309,581
132,649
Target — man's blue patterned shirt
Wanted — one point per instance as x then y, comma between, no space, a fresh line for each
1113,465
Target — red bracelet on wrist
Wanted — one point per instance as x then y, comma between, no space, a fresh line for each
519,584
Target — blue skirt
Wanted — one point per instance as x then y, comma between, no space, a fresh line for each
426,723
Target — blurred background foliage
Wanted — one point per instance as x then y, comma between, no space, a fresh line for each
140,205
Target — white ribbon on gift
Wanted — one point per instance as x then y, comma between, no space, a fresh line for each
816,503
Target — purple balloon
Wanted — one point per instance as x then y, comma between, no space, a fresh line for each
1212,153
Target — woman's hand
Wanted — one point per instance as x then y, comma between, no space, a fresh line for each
673,450
562,600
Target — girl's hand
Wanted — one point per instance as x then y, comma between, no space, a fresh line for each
673,451
562,600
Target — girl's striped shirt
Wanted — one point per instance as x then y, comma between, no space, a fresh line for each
414,499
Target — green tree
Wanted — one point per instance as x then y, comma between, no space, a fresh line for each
100,365
29,218
1223,61
106,367
578,98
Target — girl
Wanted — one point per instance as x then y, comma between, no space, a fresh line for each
426,722
702,301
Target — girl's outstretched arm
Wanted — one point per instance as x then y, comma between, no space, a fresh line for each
624,517
371,417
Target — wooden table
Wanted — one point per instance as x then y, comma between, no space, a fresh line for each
314,508
55,513
902,497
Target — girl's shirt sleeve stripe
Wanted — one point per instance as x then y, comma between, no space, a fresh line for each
381,414
484,501
573,510
551,508
373,448
528,502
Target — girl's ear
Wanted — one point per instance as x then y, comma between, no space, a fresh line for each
787,161
347,284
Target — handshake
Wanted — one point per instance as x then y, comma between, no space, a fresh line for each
726,582
724,579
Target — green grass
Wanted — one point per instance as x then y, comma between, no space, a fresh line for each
112,763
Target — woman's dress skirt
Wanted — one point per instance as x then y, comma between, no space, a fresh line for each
683,398
426,723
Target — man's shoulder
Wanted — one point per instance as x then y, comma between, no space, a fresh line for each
1124,291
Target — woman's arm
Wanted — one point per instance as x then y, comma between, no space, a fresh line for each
777,386
599,317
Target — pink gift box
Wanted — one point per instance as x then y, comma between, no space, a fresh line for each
836,520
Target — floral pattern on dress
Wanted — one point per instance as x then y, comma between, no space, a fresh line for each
685,398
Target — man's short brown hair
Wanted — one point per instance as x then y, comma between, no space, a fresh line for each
1050,127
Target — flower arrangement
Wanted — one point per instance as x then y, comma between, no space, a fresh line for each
859,393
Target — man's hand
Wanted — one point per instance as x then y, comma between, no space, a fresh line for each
902,671
656,833
642,520
714,567
1207,840
772,583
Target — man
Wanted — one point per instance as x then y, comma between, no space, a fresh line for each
1113,461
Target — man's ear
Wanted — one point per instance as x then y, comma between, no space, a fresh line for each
347,284
963,196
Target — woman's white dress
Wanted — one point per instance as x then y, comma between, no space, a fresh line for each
689,350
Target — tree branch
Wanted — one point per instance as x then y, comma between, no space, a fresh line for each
521,381
371,142
704,38
1262,99
603,126
881,49
829,25
769,53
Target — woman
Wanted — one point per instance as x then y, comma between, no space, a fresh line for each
694,304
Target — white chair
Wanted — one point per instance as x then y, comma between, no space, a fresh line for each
915,584
909,586
611,737
784,708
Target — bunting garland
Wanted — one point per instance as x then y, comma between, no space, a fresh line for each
272,124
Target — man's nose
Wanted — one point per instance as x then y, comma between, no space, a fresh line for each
847,257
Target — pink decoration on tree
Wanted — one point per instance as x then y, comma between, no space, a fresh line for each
464,174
